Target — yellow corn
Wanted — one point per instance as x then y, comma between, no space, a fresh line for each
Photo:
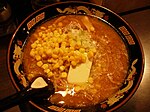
38,57
83,58
30,76
33,45
82,50
60,31
40,34
32,53
51,34
42,28
90,54
39,63
47,70
71,58
73,63
64,74
49,52
62,68
41,51
60,61
54,56
56,66
55,50
50,74
45,66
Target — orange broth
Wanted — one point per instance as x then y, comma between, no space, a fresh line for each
109,59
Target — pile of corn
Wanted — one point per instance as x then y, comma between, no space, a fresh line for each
55,50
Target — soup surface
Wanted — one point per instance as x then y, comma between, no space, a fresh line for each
68,41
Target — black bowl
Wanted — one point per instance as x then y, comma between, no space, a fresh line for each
15,50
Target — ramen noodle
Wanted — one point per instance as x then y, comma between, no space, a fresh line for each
62,42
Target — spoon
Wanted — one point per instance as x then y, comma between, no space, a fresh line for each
39,89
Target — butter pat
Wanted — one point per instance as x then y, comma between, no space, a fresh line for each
80,74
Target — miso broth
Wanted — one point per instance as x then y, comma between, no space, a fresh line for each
62,42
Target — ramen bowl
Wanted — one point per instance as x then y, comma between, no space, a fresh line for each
89,35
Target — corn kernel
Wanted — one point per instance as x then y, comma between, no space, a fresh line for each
60,61
56,51
37,41
64,74
60,31
56,33
50,74
32,53
71,53
83,58
61,51
82,50
39,63
72,43
72,48
73,63
48,34
90,54
50,67
71,58
63,44
65,58
63,36
45,66
62,68
56,66
78,45
77,53
59,40
38,57
42,28
51,34
30,76
33,45
49,60
40,34
49,52
44,56
39,45
46,70
41,51
54,60
54,56
43,36
53,28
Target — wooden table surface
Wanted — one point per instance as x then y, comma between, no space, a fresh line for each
140,22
